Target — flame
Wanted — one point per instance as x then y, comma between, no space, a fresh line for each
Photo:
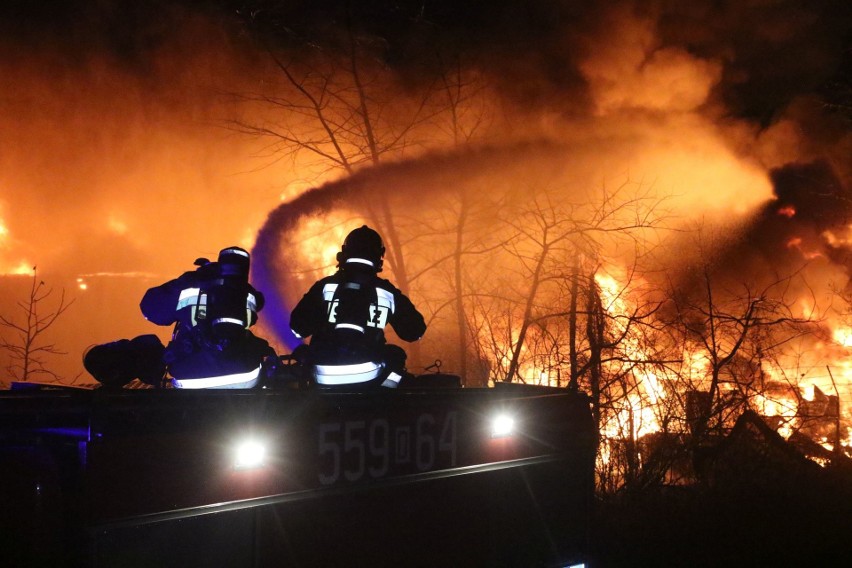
783,399
637,414
843,336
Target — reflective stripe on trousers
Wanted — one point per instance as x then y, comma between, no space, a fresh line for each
234,381
346,374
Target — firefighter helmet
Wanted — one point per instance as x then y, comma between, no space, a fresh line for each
363,244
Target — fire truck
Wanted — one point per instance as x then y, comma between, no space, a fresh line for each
422,475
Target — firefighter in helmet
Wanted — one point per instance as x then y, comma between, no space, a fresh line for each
345,316
212,309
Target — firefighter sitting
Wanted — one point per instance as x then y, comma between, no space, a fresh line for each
345,315
211,347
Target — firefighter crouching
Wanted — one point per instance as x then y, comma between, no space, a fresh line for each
345,316
212,309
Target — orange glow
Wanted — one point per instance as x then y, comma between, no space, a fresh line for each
796,243
320,239
838,238
8,266
116,225
21,268
787,211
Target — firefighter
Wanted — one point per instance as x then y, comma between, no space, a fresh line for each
212,309
345,316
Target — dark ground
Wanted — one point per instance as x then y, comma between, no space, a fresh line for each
760,503
685,527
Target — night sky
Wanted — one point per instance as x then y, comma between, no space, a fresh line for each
118,169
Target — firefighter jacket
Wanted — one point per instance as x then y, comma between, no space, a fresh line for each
184,300
196,357
346,314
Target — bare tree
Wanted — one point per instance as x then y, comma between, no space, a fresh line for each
624,360
26,349
548,239
338,104
338,107
457,91
674,372
732,331
542,314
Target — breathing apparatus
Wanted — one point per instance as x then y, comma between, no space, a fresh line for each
226,302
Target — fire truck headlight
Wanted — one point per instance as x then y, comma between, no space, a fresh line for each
250,454
502,426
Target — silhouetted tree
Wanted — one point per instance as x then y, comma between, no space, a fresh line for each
339,107
552,247
26,349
